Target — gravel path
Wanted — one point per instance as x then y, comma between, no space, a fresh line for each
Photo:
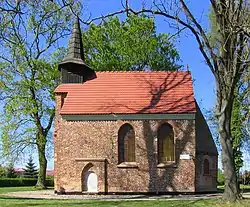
49,194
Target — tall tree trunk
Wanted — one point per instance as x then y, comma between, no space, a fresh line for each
231,191
41,145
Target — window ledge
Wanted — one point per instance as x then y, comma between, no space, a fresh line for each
167,164
128,165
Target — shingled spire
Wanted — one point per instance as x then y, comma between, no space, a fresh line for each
73,68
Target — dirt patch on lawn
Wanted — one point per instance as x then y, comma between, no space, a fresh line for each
49,194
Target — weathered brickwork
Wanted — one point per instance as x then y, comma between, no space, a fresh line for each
206,183
81,146
205,149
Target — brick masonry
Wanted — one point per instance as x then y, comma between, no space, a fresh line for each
82,146
206,183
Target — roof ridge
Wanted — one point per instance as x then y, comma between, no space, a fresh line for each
161,71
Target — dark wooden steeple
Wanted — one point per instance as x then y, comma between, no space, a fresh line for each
73,68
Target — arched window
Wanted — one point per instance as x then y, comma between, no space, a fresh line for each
165,137
126,144
206,167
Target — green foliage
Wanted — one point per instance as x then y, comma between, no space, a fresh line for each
15,182
29,54
220,177
30,169
50,182
213,35
2,172
245,177
237,134
129,45
10,172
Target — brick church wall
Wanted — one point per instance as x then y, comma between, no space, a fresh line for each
93,145
206,182
205,149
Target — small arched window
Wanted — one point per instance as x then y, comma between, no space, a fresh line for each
165,137
206,170
126,144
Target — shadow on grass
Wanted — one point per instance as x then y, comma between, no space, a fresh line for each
146,203
243,189
220,190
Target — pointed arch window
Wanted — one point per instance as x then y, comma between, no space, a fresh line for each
206,169
165,135
126,144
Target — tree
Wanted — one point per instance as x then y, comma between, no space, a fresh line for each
30,170
220,177
10,171
227,62
239,137
245,177
131,44
28,63
240,108
2,172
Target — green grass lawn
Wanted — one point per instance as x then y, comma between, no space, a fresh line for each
244,188
9,202
17,189
241,186
21,202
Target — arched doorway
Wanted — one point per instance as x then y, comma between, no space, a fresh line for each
89,179
91,182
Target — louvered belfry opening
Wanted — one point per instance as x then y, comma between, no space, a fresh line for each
73,67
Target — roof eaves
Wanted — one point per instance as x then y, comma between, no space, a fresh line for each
114,117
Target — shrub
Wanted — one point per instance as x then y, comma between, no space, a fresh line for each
50,177
2,172
10,172
15,182
220,177
50,182
245,177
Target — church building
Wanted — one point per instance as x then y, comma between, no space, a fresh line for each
129,132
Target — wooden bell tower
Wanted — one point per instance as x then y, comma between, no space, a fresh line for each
73,68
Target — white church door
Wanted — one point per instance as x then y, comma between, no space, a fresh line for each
91,179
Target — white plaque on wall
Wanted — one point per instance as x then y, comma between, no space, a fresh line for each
185,157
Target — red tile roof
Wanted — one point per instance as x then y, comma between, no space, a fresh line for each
129,93
18,170
50,172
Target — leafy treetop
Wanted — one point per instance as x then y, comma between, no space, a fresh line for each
132,44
